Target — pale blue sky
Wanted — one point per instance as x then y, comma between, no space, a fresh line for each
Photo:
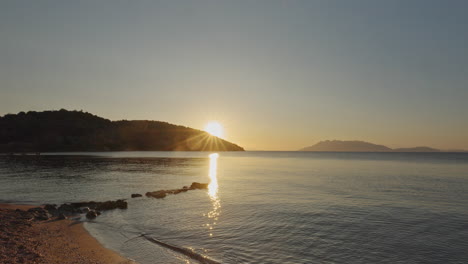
277,74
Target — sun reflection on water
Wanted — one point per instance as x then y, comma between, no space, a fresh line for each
213,193
213,186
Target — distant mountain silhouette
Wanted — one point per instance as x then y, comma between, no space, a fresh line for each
346,146
416,149
64,130
360,146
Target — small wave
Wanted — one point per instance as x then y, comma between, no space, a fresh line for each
187,252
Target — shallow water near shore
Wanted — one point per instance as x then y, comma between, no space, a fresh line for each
262,207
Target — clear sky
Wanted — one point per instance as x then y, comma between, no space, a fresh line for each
279,75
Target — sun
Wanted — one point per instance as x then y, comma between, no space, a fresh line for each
215,129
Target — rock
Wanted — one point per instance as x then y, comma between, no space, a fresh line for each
163,193
50,207
84,207
40,213
157,194
197,185
90,204
36,209
109,205
68,208
121,204
91,215
136,195
44,217
61,216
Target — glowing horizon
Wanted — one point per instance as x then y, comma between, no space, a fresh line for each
277,76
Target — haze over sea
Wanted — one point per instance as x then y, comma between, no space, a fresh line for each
262,207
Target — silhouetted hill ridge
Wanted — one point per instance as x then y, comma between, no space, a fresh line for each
416,149
63,130
360,146
351,146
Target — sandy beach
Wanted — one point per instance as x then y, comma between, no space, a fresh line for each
23,240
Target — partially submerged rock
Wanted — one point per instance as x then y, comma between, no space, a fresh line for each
92,209
83,207
163,193
84,204
109,205
91,214
158,194
69,209
197,185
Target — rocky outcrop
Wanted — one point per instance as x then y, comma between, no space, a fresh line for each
91,215
157,194
62,217
50,207
40,213
110,205
91,209
197,185
66,209
163,193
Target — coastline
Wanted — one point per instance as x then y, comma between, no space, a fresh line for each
51,241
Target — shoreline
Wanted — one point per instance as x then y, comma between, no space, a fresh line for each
50,241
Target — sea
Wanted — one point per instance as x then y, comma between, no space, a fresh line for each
260,207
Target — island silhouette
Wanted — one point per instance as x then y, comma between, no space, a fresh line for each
360,146
63,131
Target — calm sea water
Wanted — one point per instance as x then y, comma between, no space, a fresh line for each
262,207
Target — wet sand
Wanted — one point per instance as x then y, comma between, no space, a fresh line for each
23,240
